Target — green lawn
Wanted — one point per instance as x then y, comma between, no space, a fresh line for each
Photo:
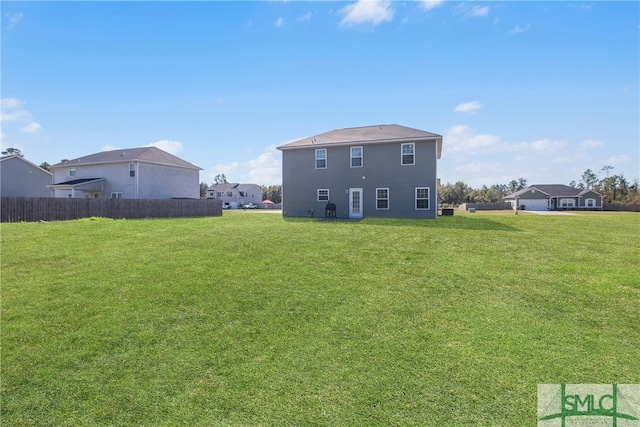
252,320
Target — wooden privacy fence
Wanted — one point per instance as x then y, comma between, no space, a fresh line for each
486,206
30,209
619,207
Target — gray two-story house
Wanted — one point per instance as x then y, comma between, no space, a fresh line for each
373,171
21,178
131,173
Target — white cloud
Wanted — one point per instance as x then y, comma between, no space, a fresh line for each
480,167
518,29
430,4
618,160
279,22
463,139
468,107
472,12
170,146
32,127
12,111
590,144
109,148
266,169
547,145
14,19
367,11
11,103
479,11
306,17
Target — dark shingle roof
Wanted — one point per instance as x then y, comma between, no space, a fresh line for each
364,135
553,190
141,154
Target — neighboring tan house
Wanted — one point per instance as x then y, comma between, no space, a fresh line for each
133,173
21,178
372,171
235,195
554,197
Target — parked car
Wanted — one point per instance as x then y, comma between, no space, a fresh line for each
226,205
250,206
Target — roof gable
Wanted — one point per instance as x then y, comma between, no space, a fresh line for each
232,186
142,154
365,135
14,158
553,190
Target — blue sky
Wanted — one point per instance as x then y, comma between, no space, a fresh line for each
540,90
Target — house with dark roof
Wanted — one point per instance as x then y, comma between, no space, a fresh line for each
133,173
371,171
21,178
553,197
235,195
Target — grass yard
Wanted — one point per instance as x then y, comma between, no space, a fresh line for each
252,320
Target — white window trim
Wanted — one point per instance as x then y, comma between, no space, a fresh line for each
117,195
318,195
361,157
325,158
72,172
428,198
413,154
132,170
590,200
387,199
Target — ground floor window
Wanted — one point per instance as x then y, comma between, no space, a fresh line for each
117,195
382,198
567,203
323,195
422,198
590,203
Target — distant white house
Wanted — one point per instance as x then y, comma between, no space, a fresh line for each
234,194
21,178
133,173
553,197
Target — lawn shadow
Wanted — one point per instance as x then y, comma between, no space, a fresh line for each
447,222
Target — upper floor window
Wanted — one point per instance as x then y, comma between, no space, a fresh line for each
356,157
116,195
422,197
229,193
132,169
408,154
321,158
72,172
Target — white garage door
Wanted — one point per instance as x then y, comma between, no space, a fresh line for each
535,204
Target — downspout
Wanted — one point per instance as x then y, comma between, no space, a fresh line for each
137,177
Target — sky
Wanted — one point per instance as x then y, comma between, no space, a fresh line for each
518,89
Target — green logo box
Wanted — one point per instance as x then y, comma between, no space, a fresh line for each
581,405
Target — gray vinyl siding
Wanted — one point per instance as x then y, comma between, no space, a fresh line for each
582,200
537,194
151,181
22,179
381,169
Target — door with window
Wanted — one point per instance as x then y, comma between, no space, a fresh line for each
355,203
